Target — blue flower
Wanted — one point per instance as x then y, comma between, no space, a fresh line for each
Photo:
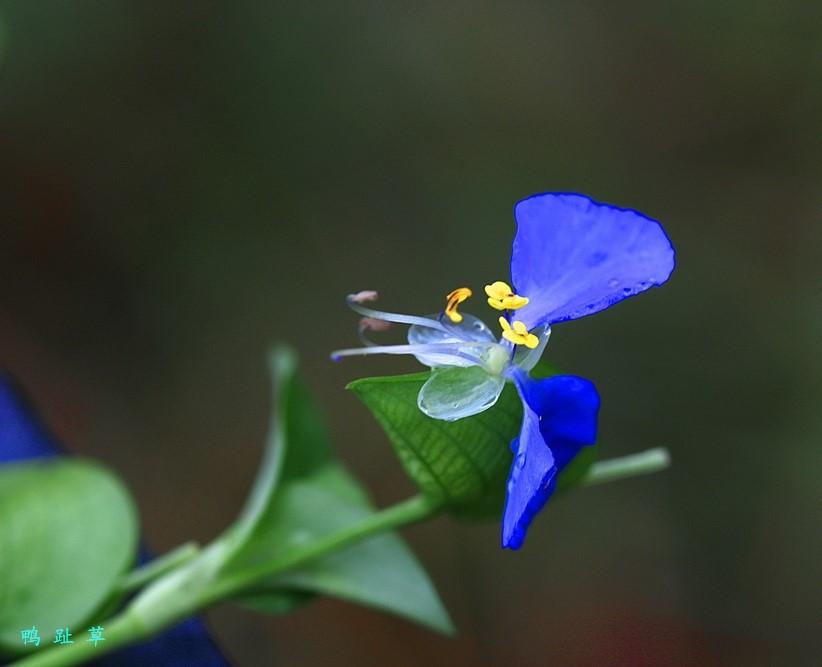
571,257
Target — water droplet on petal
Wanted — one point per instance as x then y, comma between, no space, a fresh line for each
519,462
613,282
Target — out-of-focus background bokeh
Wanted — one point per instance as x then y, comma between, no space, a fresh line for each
183,183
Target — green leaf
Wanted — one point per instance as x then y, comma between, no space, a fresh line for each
276,600
379,572
297,428
301,494
465,462
69,531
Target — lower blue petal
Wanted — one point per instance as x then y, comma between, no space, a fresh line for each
559,418
568,407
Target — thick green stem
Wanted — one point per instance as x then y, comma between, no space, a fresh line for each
158,567
413,510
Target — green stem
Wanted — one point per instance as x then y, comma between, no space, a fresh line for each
159,566
642,463
413,510
177,594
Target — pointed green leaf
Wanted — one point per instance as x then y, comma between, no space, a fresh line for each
297,443
68,531
379,572
276,600
301,494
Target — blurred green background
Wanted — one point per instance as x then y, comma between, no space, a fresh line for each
183,183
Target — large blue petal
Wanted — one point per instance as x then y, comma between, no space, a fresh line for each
559,418
22,436
573,257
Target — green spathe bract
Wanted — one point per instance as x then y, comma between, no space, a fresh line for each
464,463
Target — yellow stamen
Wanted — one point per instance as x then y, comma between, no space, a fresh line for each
454,299
518,334
502,297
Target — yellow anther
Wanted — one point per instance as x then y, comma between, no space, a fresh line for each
502,297
454,299
518,334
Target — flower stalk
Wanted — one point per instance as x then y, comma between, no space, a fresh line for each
641,463
170,597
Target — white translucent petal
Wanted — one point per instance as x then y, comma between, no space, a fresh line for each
454,393
471,329
526,359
